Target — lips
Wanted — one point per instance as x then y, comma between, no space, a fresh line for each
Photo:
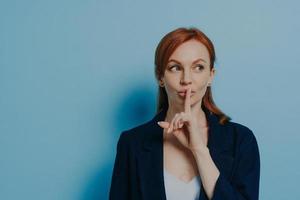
182,94
183,91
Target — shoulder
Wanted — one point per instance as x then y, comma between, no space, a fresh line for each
138,131
135,135
241,129
241,134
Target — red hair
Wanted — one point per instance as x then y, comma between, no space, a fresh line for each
164,50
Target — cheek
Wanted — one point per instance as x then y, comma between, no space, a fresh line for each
171,92
201,88
171,84
202,85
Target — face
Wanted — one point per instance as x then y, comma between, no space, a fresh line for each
188,66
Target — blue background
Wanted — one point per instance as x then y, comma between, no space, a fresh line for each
74,74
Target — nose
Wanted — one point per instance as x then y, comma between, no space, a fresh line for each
186,79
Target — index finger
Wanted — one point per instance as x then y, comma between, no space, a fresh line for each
187,103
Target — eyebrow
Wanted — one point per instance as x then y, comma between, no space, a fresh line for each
199,59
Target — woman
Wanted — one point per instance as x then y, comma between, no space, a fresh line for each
190,149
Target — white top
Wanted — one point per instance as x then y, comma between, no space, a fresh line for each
177,189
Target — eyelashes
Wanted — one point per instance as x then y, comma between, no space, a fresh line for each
201,67
173,66
197,67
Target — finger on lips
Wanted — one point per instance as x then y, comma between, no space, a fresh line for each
187,106
177,121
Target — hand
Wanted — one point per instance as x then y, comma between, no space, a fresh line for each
185,127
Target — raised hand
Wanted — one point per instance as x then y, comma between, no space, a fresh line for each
185,127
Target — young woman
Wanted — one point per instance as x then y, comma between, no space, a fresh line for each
190,150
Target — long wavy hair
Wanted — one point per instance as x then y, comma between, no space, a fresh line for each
164,50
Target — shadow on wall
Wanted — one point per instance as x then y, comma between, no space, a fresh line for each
135,108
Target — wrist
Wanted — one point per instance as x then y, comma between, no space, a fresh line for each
204,151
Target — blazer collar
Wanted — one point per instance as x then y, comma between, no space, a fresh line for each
150,159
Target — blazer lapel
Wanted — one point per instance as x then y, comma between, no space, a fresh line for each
220,147
150,161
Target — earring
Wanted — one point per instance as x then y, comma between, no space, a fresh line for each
208,84
161,84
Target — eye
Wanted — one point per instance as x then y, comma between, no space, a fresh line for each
174,67
199,67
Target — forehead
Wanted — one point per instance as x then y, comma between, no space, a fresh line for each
189,51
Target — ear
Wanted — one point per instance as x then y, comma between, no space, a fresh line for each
161,83
212,74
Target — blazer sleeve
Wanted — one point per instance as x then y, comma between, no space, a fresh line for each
119,183
245,182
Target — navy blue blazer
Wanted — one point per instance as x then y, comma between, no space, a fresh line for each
138,167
